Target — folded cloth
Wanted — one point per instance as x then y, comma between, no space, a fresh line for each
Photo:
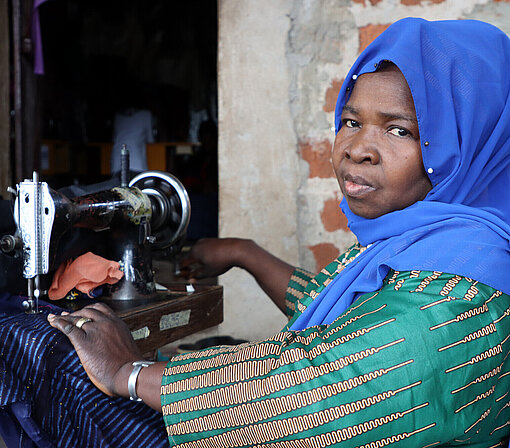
85,273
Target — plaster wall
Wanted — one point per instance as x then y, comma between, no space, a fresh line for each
281,64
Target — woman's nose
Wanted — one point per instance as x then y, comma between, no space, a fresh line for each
363,148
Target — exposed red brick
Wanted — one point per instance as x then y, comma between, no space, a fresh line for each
318,156
368,33
332,95
498,1
332,216
324,253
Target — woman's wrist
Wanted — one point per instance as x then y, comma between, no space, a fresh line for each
242,253
120,380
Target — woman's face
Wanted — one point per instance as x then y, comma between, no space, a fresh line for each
377,155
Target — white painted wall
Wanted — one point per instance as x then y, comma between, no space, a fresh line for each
258,166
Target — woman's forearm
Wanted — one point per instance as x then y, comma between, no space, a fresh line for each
148,385
271,273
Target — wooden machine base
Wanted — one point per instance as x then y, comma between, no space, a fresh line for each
171,315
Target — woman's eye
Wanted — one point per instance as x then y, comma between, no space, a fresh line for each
351,123
399,132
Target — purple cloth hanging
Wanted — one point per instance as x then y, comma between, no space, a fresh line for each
37,39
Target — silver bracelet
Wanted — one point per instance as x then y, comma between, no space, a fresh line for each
133,378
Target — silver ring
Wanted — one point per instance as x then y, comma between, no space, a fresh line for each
82,321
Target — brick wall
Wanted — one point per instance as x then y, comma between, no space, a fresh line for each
362,21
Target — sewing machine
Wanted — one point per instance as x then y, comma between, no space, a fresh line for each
126,223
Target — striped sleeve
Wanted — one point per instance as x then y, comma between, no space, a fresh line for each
303,283
421,362
295,290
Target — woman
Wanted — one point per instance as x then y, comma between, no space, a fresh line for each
404,339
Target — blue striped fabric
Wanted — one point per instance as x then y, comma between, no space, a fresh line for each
44,387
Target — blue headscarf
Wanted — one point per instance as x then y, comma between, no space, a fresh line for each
458,73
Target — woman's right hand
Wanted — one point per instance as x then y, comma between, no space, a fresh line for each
104,345
211,257
214,256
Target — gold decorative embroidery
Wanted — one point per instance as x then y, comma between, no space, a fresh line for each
450,284
472,292
251,413
493,351
399,284
294,292
257,398
239,393
427,280
481,378
505,314
397,438
465,315
353,319
325,346
472,312
290,305
276,429
345,261
482,417
482,332
438,302
504,425
393,278
498,444
299,280
478,397
234,373
505,394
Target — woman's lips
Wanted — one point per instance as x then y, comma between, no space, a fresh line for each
356,186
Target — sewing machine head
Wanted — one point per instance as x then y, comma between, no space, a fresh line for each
125,224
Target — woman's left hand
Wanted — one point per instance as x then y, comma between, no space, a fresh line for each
104,345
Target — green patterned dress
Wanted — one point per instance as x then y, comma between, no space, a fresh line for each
422,362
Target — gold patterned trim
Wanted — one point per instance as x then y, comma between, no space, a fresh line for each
493,351
481,378
237,394
482,332
482,417
251,413
236,373
277,429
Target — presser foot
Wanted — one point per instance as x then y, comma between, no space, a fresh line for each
31,307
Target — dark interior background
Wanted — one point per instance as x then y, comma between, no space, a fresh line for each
103,56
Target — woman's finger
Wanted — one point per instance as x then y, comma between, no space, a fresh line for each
66,324
95,311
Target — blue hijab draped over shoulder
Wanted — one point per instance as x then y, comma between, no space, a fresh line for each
458,73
